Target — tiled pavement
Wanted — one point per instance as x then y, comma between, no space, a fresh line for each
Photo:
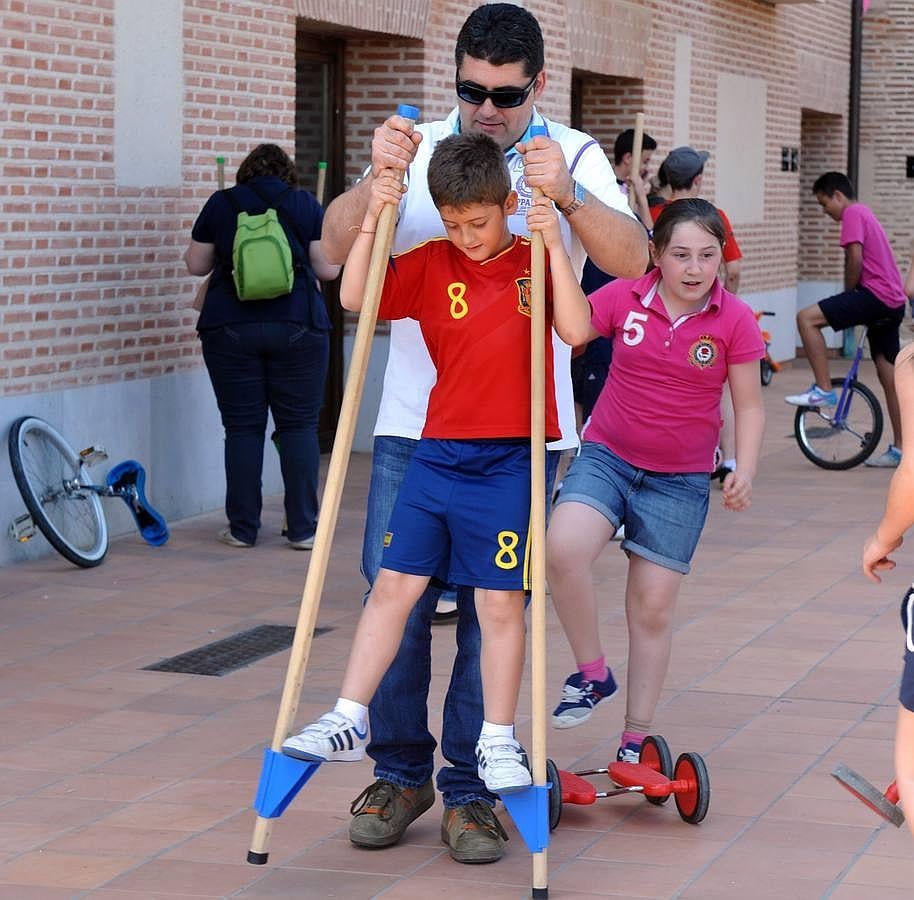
118,783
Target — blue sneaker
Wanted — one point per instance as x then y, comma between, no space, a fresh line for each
579,697
630,753
815,396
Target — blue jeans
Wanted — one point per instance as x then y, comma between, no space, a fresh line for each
401,745
280,367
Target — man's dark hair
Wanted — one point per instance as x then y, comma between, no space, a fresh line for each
689,209
468,168
834,181
502,33
267,159
625,143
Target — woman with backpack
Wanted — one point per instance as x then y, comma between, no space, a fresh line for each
264,330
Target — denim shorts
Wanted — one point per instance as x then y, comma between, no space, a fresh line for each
663,513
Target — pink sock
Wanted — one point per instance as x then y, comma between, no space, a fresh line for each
632,737
596,670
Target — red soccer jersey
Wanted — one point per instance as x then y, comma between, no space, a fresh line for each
475,318
731,249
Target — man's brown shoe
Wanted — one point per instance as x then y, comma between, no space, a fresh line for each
473,833
383,810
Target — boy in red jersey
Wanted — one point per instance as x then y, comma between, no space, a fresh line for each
462,514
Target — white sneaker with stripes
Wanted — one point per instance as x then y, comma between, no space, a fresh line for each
332,738
502,765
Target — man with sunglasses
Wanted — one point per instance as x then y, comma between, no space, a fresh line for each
499,57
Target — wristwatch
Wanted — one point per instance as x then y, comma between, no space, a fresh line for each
575,204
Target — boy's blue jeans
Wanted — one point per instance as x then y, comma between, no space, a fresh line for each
402,746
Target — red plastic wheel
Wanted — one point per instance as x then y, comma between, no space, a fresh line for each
692,803
655,754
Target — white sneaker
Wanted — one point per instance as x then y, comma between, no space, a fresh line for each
815,396
502,765
888,460
332,738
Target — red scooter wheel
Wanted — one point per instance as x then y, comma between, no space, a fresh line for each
655,754
692,803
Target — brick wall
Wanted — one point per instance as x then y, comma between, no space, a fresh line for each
887,119
92,286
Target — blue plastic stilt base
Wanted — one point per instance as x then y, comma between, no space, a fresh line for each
529,809
281,778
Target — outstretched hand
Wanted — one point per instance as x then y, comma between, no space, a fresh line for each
876,556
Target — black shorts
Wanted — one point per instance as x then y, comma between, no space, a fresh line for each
906,694
863,307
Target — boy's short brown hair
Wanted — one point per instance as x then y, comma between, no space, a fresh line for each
468,168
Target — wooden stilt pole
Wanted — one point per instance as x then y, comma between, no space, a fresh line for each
330,502
538,532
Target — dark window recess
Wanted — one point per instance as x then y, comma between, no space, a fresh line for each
221,657
909,167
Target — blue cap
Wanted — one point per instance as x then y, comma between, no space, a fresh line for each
538,131
408,112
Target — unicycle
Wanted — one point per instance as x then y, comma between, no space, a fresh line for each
844,435
62,500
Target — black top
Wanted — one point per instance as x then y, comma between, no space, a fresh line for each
301,216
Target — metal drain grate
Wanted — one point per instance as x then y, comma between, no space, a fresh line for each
233,652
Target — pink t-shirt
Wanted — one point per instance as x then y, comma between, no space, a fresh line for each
660,407
880,273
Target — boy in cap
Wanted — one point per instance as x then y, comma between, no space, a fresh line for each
682,170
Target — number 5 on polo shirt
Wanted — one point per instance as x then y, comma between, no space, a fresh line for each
633,330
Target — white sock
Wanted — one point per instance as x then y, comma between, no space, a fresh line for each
491,729
355,712
730,463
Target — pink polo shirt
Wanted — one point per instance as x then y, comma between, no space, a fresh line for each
660,407
879,274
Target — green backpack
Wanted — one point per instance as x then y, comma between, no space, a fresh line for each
262,262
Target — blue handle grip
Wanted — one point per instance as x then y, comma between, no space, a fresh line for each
408,112
537,131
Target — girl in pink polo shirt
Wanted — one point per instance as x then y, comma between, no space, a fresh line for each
648,449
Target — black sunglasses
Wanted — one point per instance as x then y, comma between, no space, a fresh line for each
505,98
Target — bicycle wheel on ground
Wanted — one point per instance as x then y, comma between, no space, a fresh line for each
840,445
766,372
51,478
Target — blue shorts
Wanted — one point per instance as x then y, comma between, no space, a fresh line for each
906,694
663,513
463,514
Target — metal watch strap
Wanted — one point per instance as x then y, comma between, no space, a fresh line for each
576,203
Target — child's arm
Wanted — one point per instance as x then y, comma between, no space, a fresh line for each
570,309
385,188
749,414
904,762
899,506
